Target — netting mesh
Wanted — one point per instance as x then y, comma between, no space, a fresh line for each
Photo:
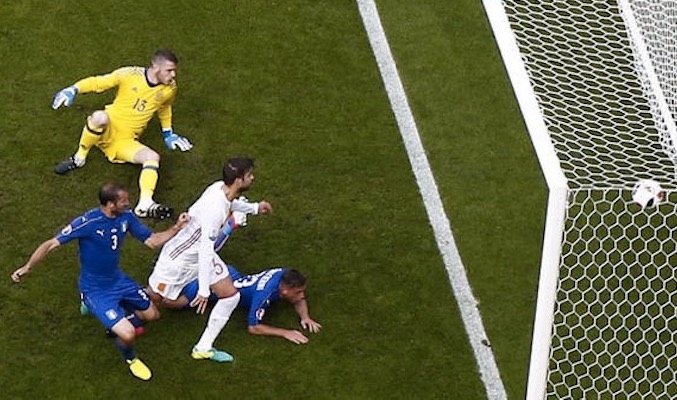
615,321
615,326
656,22
581,65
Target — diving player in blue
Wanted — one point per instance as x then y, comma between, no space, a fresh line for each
257,293
105,289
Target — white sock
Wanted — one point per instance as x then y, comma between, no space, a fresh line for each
144,204
79,161
217,320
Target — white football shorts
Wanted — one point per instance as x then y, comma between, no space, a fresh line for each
170,277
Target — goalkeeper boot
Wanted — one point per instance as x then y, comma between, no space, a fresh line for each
139,369
68,165
154,210
212,354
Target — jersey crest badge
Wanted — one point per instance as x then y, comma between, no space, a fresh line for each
111,314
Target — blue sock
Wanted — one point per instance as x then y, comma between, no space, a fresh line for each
225,233
127,352
136,321
190,291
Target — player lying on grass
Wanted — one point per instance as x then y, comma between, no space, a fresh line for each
257,293
141,92
105,289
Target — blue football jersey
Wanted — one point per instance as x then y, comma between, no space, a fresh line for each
100,239
257,291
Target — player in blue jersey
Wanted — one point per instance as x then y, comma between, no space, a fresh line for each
257,293
105,289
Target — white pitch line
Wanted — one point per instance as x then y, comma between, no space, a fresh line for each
433,203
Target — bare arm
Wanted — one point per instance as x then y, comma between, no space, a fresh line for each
267,330
301,308
294,336
38,255
159,238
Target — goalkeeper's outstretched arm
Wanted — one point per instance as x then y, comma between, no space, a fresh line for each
98,84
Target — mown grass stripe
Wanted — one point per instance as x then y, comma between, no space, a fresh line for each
431,198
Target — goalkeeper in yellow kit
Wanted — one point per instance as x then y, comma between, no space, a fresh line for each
116,130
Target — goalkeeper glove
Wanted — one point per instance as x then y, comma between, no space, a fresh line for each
174,141
65,97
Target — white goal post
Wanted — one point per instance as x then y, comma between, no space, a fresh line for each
596,81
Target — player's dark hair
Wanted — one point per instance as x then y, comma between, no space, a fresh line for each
236,168
164,54
110,192
293,279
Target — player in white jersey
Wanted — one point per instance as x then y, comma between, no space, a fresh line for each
191,255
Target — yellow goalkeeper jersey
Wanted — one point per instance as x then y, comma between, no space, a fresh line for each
135,102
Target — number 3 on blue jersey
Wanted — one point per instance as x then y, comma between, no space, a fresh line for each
247,280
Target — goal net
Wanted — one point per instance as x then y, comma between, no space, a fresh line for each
596,81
